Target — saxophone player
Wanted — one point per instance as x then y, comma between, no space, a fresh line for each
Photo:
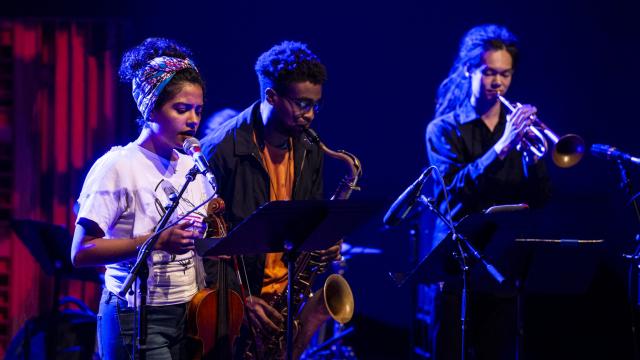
260,156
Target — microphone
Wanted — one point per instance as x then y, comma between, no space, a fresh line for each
404,203
191,146
612,153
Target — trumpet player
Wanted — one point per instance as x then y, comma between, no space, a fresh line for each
260,156
473,141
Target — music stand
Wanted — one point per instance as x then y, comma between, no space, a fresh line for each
50,245
532,260
290,227
305,223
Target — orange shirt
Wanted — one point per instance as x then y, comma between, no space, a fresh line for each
279,166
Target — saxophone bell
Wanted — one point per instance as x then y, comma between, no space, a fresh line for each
334,299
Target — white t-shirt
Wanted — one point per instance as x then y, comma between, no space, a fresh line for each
125,193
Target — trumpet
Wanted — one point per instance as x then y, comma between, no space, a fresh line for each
567,150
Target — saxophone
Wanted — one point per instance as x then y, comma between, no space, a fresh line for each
349,182
334,299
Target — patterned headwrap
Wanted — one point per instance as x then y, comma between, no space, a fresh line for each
152,79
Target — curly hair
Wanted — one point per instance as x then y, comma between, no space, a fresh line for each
135,59
287,63
456,88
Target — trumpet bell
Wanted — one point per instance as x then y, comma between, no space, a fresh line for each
568,151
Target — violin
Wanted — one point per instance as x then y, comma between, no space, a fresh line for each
214,316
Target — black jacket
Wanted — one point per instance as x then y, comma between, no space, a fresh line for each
460,145
243,182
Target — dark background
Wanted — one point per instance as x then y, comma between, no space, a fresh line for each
385,61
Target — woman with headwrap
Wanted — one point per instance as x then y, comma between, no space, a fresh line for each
124,197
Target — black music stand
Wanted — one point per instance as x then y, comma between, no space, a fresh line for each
290,227
50,245
532,260
307,224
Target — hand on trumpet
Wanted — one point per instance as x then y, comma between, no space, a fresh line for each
518,124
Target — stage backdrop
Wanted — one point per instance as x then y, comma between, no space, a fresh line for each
58,113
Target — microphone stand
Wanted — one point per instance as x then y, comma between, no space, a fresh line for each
465,251
625,184
634,258
141,270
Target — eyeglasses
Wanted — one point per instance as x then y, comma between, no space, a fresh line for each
305,105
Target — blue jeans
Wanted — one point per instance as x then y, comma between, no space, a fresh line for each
117,330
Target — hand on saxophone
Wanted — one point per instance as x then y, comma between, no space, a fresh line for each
515,129
331,254
262,317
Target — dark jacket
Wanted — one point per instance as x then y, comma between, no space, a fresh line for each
460,145
243,182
